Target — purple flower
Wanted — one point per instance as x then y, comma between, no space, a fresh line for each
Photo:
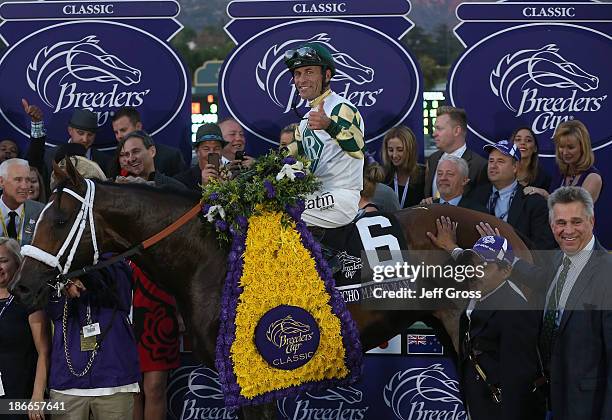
214,196
289,160
221,225
270,192
242,222
299,175
205,208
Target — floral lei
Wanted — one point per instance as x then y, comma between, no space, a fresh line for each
274,261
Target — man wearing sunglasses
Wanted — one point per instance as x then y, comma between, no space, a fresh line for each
330,135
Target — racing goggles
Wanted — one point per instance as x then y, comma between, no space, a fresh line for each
304,53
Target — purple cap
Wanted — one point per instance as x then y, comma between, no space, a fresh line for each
507,147
494,249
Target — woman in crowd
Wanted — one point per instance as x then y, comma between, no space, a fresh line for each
575,159
373,173
24,339
37,187
403,173
530,173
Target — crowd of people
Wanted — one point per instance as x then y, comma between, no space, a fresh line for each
107,358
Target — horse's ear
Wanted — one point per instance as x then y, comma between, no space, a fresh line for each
59,175
73,175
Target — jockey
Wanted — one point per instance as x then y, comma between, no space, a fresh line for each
330,135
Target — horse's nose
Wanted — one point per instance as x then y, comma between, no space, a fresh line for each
21,292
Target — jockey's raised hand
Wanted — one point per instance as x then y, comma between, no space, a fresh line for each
446,236
317,119
34,112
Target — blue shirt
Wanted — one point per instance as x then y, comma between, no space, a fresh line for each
502,207
453,201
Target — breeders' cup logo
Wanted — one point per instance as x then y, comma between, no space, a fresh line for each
257,89
271,73
424,393
338,403
88,64
522,80
194,392
287,337
67,63
505,80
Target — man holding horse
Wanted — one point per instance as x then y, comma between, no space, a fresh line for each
330,135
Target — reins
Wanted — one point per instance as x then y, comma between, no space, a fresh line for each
84,216
138,248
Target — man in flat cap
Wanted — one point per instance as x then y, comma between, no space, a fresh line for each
81,129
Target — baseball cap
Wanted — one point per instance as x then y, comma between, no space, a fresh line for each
506,147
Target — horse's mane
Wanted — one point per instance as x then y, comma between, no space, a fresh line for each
188,194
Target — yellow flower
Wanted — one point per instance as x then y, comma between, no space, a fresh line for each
279,270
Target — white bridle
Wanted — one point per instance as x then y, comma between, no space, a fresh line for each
76,232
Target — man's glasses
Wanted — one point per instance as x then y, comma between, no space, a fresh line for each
302,52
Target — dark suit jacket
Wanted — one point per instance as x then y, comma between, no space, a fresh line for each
168,160
31,213
468,203
528,215
505,343
192,178
581,362
477,170
41,157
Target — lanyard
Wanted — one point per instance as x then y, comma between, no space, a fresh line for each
504,215
21,219
6,305
396,187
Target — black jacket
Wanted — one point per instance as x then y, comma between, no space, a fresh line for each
528,215
503,336
168,160
191,178
467,203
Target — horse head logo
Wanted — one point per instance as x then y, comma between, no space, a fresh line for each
81,60
282,327
430,383
271,69
544,67
348,395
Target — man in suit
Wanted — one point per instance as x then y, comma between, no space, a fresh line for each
450,130
503,196
19,215
451,180
168,159
576,294
81,129
498,360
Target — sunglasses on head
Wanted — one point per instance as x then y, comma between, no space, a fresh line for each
302,52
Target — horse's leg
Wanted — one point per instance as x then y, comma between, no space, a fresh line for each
259,412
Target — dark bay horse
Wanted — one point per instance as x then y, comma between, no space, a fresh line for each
191,265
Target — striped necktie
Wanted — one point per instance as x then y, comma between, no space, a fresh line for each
549,326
